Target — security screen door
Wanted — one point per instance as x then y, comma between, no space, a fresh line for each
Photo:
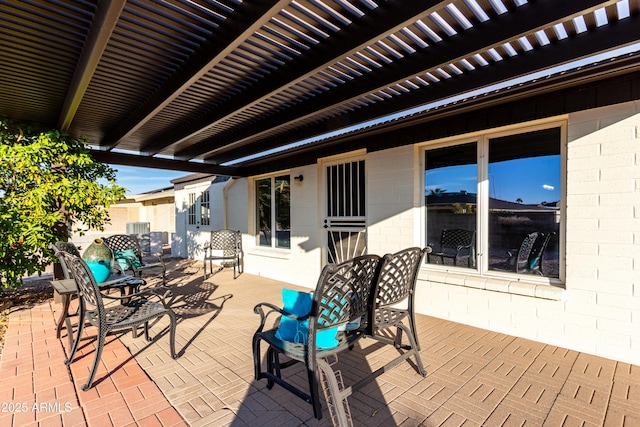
345,220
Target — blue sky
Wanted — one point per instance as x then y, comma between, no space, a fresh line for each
533,180
141,180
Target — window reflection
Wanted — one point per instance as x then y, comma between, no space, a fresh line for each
273,211
263,203
521,211
450,187
524,211
282,225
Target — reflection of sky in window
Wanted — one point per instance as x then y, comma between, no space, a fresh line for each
533,180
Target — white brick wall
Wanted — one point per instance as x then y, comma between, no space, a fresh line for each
301,264
599,312
390,194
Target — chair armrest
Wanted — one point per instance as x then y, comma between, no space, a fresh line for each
258,309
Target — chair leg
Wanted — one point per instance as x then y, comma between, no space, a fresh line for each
398,339
74,346
257,363
273,367
276,364
313,390
66,299
172,334
102,335
414,331
414,349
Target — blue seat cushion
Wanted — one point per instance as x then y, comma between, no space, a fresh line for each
125,257
299,304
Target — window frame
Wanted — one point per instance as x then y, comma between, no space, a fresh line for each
482,138
205,207
192,208
272,177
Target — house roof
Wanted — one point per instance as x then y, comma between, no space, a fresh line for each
221,86
447,199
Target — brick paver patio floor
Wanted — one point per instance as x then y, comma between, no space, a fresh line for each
474,377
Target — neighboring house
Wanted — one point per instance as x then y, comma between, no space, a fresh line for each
199,207
291,219
153,209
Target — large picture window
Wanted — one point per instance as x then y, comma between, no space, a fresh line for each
273,212
493,204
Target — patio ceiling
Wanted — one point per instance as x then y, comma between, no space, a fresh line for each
212,85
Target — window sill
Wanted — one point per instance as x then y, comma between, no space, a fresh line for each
495,284
269,252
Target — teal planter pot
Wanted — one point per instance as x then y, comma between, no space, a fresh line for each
99,259
99,270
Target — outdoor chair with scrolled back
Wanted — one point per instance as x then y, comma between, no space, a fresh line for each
134,310
537,253
67,247
520,259
124,283
528,257
129,255
341,298
71,248
455,244
119,280
393,302
225,246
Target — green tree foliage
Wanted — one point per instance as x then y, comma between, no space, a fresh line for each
49,184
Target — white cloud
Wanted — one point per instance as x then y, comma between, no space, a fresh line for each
548,187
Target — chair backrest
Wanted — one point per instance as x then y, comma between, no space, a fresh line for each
123,242
229,241
525,251
535,258
87,287
397,278
456,237
69,248
343,293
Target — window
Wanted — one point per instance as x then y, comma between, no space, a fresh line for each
498,196
191,213
273,212
205,210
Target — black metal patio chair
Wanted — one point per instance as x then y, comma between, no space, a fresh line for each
528,257
134,310
341,298
456,244
393,302
129,255
225,246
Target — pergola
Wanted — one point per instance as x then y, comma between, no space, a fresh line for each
246,87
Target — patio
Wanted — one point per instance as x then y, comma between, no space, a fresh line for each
474,376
